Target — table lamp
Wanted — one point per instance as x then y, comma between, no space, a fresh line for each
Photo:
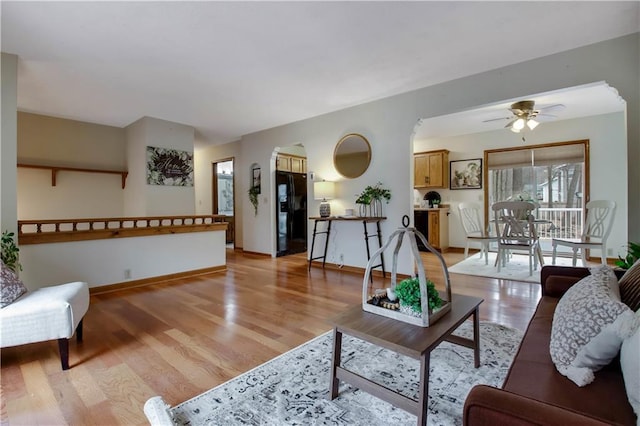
324,191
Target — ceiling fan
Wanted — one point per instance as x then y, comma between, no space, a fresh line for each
526,116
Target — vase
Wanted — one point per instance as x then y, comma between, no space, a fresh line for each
376,208
362,210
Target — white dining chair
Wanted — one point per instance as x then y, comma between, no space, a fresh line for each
597,227
474,229
515,230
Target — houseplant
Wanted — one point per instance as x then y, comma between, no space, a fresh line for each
372,196
633,254
9,252
408,291
253,197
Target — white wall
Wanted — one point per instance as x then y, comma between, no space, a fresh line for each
142,199
102,262
76,195
8,145
607,136
44,140
389,125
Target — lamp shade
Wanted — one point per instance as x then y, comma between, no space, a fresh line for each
323,190
532,124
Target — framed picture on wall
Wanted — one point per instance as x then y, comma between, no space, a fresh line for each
256,178
169,167
465,174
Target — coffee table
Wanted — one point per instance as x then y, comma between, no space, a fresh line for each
407,339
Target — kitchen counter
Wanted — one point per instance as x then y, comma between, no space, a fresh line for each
433,223
430,208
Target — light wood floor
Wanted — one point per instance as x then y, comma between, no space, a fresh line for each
180,338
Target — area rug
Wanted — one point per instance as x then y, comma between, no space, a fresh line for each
293,388
516,269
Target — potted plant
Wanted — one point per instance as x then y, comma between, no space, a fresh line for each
253,197
9,252
633,254
373,196
408,291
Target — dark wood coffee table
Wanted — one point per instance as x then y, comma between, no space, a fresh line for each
407,339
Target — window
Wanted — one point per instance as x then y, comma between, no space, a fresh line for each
554,176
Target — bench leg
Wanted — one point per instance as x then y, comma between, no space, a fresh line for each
79,331
63,346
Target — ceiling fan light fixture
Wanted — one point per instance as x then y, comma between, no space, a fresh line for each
518,124
532,124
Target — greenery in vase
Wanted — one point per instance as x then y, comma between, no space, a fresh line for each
371,193
9,252
633,254
253,197
408,291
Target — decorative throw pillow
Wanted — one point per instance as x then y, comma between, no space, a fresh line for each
630,286
589,326
630,363
10,285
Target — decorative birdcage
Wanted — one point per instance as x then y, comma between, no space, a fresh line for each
422,311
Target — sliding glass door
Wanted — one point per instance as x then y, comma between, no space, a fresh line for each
553,176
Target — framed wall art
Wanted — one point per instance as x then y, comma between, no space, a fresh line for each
256,178
465,174
169,167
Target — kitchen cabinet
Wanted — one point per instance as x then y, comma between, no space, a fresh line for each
291,163
434,225
431,169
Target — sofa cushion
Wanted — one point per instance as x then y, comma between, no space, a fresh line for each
10,285
630,287
630,365
589,326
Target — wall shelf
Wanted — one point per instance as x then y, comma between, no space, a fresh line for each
56,169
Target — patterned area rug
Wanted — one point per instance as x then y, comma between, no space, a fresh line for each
517,268
293,388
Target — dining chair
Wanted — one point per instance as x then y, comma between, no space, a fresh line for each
597,227
474,229
515,230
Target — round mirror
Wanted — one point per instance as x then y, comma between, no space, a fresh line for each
352,155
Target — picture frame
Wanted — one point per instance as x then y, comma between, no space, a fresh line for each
465,174
256,178
169,167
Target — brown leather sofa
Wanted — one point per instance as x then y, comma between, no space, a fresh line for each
534,392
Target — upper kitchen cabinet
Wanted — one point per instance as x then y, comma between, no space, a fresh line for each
431,169
291,163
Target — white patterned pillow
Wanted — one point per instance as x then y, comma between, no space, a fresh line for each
630,364
10,286
589,325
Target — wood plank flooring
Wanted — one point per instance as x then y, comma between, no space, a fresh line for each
182,337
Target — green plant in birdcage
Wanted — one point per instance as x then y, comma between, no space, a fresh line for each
9,252
408,291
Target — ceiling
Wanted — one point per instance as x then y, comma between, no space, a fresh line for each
581,101
233,68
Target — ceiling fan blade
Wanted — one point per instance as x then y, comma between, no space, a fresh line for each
555,107
510,123
497,119
545,117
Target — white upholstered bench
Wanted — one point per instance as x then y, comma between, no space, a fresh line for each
48,313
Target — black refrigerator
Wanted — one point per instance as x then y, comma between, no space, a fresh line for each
291,212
